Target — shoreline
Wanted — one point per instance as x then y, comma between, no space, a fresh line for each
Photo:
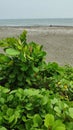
57,41
34,26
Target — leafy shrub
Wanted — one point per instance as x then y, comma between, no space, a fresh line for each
34,94
20,62
33,109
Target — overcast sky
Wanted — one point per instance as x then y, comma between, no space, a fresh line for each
36,9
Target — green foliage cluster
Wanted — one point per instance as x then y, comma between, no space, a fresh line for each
34,109
34,95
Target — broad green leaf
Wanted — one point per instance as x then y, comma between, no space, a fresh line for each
10,97
2,100
9,111
24,118
58,125
29,81
35,69
30,116
4,58
11,119
37,120
60,128
17,113
44,100
15,117
71,112
57,109
31,92
12,52
49,120
54,101
29,57
4,107
3,128
6,90
42,54
29,106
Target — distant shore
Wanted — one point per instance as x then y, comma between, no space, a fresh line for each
56,40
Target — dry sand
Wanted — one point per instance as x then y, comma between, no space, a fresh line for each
57,41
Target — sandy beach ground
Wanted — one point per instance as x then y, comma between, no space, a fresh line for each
57,41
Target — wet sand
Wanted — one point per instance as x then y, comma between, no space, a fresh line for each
56,41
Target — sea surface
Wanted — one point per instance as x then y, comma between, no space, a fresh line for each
37,22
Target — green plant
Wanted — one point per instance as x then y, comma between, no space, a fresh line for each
34,94
33,109
50,123
21,62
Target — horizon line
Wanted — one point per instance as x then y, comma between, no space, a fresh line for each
36,18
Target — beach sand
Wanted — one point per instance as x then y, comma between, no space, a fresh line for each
56,41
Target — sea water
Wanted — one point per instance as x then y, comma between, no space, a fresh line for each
37,22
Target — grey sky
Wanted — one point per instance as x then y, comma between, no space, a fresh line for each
36,9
